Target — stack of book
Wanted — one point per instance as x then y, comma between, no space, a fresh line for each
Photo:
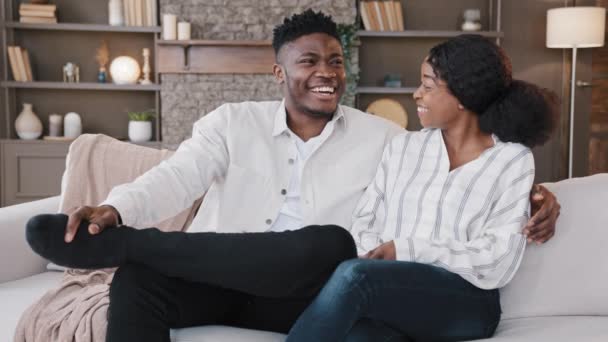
140,12
381,15
38,14
19,60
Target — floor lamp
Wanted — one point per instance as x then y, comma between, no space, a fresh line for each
575,28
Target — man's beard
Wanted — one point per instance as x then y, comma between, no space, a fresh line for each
304,108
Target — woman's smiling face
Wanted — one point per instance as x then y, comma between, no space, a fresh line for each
437,107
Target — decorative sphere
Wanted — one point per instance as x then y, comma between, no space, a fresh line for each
124,70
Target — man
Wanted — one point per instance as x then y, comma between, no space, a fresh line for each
267,168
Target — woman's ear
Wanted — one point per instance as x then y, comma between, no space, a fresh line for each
279,75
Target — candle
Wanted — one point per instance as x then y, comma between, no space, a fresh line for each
183,30
55,125
169,26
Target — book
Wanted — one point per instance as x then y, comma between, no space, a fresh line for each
399,13
28,66
38,20
390,14
36,7
20,63
379,9
125,12
371,11
139,13
44,14
13,61
364,16
131,4
154,12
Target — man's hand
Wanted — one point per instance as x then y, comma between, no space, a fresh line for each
100,218
545,211
385,251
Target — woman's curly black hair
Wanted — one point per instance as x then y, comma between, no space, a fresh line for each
301,24
478,73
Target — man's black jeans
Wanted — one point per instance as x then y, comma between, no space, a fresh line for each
251,280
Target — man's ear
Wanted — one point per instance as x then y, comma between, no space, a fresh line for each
279,74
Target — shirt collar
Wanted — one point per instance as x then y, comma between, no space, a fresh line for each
280,119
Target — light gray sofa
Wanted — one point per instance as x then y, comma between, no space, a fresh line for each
559,294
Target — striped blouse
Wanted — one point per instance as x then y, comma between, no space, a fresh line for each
467,221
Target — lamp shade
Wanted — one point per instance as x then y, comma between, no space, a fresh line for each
580,27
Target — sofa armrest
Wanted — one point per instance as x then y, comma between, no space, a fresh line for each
16,258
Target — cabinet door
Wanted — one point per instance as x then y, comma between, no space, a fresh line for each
31,170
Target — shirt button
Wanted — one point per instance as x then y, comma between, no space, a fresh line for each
268,221
291,161
283,192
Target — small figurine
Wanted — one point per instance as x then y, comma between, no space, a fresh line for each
71,73
471,20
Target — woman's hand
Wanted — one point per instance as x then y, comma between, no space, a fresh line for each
385,251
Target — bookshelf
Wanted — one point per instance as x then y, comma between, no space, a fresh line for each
82,26
400,52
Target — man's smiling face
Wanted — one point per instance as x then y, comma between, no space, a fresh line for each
311,69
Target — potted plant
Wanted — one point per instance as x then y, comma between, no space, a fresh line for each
140,125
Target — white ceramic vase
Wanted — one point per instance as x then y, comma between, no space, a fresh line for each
28,125
140,131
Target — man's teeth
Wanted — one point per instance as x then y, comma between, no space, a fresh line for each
329,90
422,109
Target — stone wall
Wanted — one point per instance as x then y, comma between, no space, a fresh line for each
185,98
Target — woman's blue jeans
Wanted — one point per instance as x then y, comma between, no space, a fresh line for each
421,302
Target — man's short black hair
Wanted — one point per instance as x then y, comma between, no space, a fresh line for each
302,24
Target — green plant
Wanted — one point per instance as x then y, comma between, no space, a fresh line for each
348,38
146,115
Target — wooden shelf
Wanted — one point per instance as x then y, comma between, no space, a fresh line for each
425,34
83,27
81,86
215,42
385,90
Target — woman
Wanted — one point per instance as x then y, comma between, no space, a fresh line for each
439,229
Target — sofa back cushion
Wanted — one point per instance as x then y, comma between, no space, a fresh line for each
568,275
96,163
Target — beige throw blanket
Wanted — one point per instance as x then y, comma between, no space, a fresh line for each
76,310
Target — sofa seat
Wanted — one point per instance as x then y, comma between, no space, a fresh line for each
16,296
552,329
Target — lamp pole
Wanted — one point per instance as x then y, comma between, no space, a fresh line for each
571,135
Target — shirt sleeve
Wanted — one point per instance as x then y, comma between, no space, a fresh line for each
174,184
490,258
370,213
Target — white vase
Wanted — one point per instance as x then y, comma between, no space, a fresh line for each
140,131
28,125
115,15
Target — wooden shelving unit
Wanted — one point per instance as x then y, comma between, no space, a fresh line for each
103,107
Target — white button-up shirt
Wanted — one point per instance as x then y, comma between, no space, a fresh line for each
467,220
242,157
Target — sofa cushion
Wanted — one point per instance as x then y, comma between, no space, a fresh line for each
217,333
552,329
18,295
568,275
